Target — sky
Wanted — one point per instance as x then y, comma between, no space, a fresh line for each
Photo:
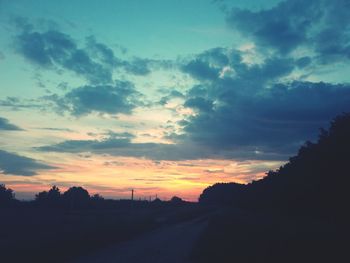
164,97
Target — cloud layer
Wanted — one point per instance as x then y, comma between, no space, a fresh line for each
7,126
13,164
255,102
257,106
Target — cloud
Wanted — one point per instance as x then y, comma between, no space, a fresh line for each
138,66
11,163
229,66
199,103
102,52
252,111
119,135
172,94
154,151
7,126
53,49
254,99
119,98
275,120
320,25
257,109
56,129
200,70
122,147
144,66
207,65
96,62
16,103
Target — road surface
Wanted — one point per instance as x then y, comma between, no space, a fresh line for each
168,244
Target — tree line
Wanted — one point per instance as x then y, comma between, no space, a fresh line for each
77,197
315,181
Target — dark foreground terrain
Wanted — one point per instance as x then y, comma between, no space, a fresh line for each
246,237
43,235
171,243
183,234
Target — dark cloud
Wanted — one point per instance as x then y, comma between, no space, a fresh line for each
119,98
172,94
201,70
155,151
321,25
199,103
96,62
16,103
11,163
119,135
256,108
207,66
102,52
135,66
228,66
80,63
55,49
7,126
144,66
138,66
56,129
274,120
250,106
122,147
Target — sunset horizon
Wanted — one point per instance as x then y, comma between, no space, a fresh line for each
165,98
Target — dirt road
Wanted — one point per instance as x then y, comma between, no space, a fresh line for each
168,244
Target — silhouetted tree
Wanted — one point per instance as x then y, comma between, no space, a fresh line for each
41,197
54,193
6,195
52,198
176,200
222,193
76,198
157,202
97,197
97,201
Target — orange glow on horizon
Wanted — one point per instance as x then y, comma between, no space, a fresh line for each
114,177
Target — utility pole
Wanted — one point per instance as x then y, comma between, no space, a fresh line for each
132,194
